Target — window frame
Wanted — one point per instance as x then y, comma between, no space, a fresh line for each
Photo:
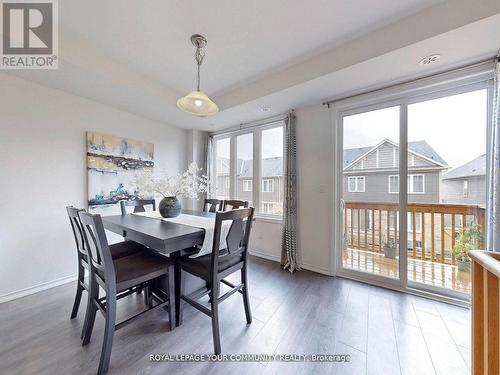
270,185
356,184
410,183
389,183
247,185
257,167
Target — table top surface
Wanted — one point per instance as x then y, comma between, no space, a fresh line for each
159,229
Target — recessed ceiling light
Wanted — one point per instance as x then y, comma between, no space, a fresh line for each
427,60
266,108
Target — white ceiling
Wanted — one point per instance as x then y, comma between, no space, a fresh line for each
137,55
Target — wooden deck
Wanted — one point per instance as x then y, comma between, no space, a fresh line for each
430,273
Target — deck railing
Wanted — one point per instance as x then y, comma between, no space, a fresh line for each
432,228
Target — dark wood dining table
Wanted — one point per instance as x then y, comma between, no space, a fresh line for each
162,236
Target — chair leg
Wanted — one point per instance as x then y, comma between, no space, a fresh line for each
179,290
146,294
87,313
215,317
171,298
246,299
88,326
109,332
79,290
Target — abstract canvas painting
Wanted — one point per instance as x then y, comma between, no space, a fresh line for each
112,166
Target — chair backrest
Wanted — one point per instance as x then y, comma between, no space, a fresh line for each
233,204
97,246
76,226
212,205
138,205
237,236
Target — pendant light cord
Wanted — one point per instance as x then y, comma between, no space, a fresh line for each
198,56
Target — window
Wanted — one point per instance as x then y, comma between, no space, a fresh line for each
267,208
244,167
271,169
222,168
267,185
393,184
247,185
415,184
356,184
257,173
465,188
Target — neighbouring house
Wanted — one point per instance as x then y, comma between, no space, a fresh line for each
371,173
466,184
271,182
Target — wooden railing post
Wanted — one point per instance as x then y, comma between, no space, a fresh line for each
485,312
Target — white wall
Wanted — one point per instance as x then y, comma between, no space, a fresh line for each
43,169
314,134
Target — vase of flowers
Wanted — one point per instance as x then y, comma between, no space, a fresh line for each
186,185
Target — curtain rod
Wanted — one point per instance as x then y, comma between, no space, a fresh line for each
253,124
328,102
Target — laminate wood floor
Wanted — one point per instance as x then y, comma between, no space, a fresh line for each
384,332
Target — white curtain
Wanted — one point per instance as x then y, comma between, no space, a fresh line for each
494,169
289,226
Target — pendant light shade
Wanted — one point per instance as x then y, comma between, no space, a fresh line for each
197,102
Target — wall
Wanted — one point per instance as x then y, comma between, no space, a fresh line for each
314,133
453,190
43,169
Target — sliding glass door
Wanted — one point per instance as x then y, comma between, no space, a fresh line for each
446,188
370,168
412,197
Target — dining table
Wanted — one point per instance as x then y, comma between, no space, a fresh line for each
162,236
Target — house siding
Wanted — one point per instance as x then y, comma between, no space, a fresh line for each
377,188
452,190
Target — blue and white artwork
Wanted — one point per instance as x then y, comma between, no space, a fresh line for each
112,166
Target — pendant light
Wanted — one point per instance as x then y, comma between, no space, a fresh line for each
197,102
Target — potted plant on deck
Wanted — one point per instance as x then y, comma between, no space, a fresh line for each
390,248
171,188
466,238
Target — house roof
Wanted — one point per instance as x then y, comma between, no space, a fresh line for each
476,167
419,147
270,167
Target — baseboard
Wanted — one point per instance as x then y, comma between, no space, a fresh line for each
261,254
35,289
309,267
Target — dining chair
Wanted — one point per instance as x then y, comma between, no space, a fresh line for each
117,250
139,205
232,204
212,205
214,267
118,278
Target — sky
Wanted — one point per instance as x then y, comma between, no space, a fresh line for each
454,126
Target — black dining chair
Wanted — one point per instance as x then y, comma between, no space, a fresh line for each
233,204
139,205
214,267
118,278
118,250
212,205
